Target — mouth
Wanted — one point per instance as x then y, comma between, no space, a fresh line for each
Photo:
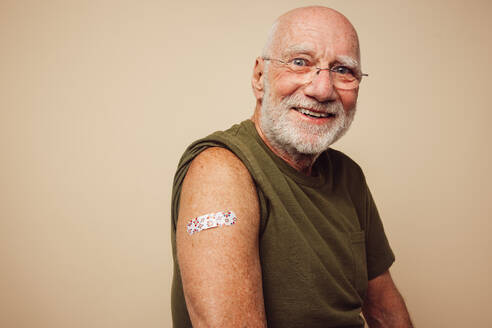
312,113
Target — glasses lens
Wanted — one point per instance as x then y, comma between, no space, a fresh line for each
299,69
344,81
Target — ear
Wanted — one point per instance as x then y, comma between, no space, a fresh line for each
257,78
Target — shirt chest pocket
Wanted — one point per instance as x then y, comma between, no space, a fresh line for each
358,247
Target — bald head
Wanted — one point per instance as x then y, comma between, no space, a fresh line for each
310,56
321,20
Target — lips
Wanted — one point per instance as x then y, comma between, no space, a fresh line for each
313,113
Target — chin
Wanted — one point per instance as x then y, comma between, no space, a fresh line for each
290,131
312,144
290,135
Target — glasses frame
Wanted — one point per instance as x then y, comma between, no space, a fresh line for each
317,69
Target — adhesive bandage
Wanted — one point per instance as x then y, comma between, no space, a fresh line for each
211,220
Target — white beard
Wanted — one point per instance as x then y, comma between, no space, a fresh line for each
283,131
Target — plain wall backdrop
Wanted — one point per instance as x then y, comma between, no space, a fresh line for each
98,99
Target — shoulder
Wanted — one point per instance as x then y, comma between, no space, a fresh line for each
219,150
219,164
217,180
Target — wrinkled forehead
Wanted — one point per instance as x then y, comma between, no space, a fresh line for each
324,36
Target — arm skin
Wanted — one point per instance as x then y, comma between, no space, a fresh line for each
384,306
220,267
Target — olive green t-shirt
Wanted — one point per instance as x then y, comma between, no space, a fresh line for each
321,237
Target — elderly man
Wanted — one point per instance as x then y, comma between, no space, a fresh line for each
297,240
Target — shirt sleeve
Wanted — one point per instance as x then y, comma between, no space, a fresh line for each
378,251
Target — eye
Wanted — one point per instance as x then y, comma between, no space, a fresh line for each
342,70
299,62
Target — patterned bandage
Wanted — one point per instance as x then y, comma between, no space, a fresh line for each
211,220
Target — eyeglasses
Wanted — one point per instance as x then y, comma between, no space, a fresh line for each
343,77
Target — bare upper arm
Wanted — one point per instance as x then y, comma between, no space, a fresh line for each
379,287
381,282
384,306
220,267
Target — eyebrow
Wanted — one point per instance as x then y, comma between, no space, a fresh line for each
298,48
350,62
342,59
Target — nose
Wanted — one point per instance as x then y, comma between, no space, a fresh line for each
321,86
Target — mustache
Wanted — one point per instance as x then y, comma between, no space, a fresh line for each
296,100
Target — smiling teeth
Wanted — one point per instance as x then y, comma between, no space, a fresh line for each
310,113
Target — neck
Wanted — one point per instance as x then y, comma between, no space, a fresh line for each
300,162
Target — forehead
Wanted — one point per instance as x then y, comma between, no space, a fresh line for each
322,36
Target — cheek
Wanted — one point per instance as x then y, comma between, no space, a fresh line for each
348,98
282,86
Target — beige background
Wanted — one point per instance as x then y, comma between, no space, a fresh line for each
98,100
